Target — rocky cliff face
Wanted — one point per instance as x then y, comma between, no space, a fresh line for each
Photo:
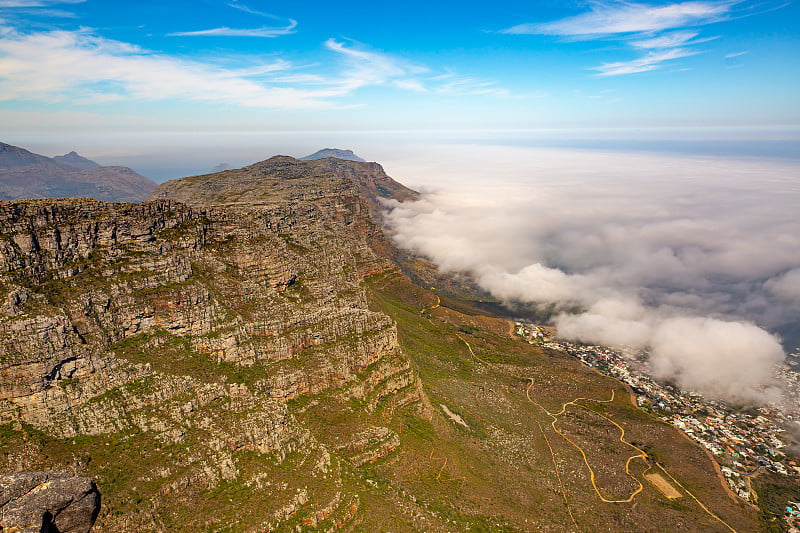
190,328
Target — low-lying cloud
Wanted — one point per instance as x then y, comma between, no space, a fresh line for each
696,260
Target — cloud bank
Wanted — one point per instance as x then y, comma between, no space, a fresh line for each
689,258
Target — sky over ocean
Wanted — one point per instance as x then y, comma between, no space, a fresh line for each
100,66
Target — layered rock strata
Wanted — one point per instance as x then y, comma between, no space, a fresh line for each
181,332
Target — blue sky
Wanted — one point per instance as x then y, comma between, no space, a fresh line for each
251,65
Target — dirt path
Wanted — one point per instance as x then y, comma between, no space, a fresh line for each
642,454
434,306
558,476
472,353
592,477
720,477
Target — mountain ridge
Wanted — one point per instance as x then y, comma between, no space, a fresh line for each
268,180
24,174
241,352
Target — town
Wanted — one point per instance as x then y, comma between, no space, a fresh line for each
743,441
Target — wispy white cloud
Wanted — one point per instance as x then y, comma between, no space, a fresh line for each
665,31
41,8
369,67
617,17
411,85
242,7
36,3
669,40
650,61
84,68
79,66
472,87
736,54
224,31
264,31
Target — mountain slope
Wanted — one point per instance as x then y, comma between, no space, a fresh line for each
249,359
24,174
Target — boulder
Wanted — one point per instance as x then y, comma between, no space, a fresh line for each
47,502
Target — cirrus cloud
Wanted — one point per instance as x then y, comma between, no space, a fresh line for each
264,31
614,17
84,68
668,28
80,66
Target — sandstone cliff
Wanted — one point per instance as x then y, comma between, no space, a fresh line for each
188,329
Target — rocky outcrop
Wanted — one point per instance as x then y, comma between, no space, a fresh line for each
36,502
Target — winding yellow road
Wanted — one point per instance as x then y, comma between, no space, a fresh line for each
593,478
437,304
641,454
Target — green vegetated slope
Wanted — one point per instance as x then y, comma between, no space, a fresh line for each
501,464
264,366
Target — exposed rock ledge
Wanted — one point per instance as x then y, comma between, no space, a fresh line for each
46,502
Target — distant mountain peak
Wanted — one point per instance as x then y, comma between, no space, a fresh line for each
338,153
24,174
78,161
14,157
